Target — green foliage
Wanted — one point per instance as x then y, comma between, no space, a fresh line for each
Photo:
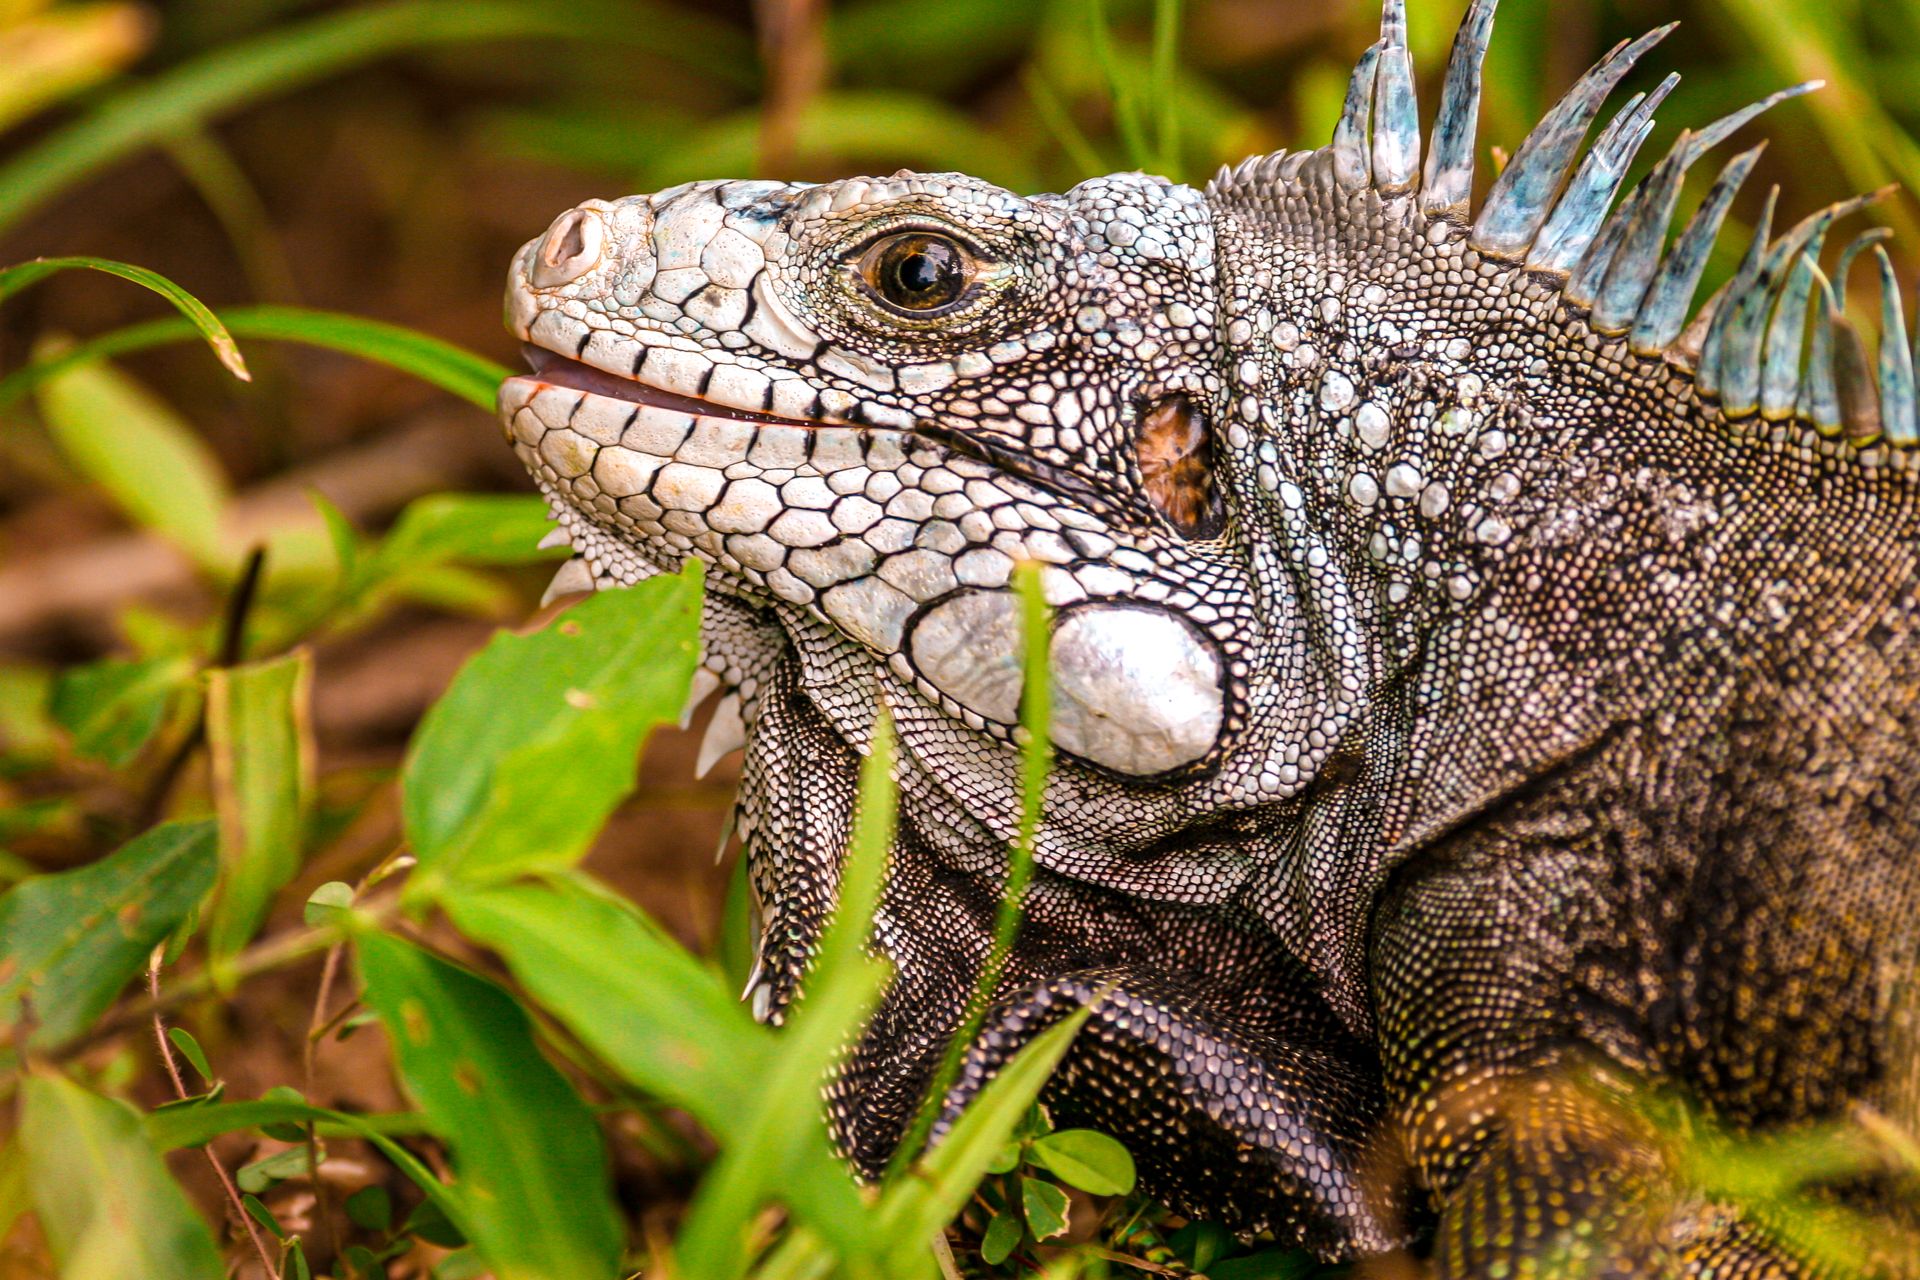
105,1200
517,768
529,1164
70,942
15,278
262,755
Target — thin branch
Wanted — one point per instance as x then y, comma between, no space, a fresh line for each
236,1208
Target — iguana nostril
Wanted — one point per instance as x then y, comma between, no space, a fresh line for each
569,250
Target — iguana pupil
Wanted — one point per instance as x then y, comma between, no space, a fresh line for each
919,273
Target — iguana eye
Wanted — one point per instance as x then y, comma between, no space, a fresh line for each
918,272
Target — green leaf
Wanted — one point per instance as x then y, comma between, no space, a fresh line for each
284,1130
1199,1243
637,998
364,1261
289,55
371,1208
103,1196
532,1170
261,1174
517,767
15,278
430,1222
463,1265
647,1008
171,1128
1006,1159
113,708
471,377
325,904
69,942
772,1151
190,1049
262,750
1087,1159
142,455
1045,1206
473,528
933,1193
1003,1236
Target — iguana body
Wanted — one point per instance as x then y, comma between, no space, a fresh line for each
1468,683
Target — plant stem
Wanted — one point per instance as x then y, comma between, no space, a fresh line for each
236,1209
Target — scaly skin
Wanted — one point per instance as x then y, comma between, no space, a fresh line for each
1478,699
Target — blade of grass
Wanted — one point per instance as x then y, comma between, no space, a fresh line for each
1126,108
236,205
1166,102
1059,122
1036,761
15,278
841,991
472,377
287,57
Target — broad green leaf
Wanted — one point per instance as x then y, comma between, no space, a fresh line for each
290,55
262,750
325,904
263,1215
517,767
104,1198
27,726
1087,1159
114,707
145,458
469,376
1267,1264
1003,1236
470,528
15,278
15,1197
648,1009
644,1004
1045,1206
531,1167
69,942
371,1208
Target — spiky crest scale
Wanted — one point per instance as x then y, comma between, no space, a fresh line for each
1749,347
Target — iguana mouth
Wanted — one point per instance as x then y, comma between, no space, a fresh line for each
562,371
552,367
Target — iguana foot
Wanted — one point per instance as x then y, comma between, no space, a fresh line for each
1266,1112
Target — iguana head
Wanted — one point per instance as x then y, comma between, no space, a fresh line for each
863,402
1269,444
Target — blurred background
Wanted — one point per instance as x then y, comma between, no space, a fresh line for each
385,160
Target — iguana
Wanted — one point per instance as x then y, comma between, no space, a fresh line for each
1485,686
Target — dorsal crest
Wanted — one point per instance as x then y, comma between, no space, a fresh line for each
1775,342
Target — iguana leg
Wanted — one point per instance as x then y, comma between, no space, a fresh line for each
1518,990
1272,1119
